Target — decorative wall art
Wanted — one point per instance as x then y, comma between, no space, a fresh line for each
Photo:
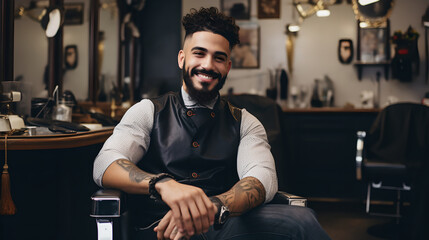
373,44
268,9
73,13
345,51
70,56
406,62
238,9
246,54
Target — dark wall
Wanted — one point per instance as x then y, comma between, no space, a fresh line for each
160,28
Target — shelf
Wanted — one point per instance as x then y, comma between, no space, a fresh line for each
360,65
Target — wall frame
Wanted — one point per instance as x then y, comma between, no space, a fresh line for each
73,13
268,9
373,44
247,53
345,51
70,57
238,9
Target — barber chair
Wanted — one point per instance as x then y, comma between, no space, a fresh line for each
108,206
391,155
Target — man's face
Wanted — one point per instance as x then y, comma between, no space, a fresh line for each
207,64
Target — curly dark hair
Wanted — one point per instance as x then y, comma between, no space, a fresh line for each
212,20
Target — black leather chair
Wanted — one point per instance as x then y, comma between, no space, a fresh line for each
393,153
109,205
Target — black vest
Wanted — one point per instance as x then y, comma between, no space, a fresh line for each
197,146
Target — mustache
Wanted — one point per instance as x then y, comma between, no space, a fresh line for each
211,73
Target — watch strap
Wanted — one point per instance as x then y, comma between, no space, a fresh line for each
220,209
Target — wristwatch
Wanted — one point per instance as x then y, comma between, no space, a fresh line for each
222,213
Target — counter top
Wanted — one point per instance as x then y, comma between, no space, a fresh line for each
55,141
331,110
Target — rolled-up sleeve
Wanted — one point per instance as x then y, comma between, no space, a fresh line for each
254,156
130,139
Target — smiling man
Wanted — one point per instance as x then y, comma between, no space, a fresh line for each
195,166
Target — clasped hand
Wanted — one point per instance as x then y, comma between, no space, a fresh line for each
191,212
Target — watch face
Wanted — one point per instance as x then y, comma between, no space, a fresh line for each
224,214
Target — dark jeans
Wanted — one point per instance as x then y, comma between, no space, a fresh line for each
267,222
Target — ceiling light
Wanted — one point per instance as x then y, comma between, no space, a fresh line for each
323,13
363,24
367,2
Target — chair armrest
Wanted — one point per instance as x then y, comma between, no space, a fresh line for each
106,203
290,199
359,153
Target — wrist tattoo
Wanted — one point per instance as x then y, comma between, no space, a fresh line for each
245,195
135,174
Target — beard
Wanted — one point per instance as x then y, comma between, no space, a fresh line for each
204,95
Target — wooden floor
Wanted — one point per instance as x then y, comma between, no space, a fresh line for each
348,221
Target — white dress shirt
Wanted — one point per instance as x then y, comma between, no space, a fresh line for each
131,139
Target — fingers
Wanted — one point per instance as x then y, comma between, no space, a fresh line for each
199,215
171,230
163,225
167,229
207,214
177,215
180,236
176,235
187,219
211,209
192,210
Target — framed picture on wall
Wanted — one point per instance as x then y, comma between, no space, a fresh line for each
268,9
73,13
70,57
238,9
247,53
345,51
373,44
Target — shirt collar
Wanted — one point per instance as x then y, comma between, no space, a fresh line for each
192,103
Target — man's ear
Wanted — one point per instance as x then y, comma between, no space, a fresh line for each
229,64
181,59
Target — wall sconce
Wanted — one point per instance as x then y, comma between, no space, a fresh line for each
292,28
50,19
291,33
51,22
307,8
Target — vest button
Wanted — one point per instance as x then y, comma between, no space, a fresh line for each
195,144
194,175
212,114
190,113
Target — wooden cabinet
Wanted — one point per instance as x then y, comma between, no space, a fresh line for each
51,185
320,148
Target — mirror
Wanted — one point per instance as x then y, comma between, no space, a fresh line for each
108,49
31,48
31,57
373,12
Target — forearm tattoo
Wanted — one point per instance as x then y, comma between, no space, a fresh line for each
245,195
135,174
